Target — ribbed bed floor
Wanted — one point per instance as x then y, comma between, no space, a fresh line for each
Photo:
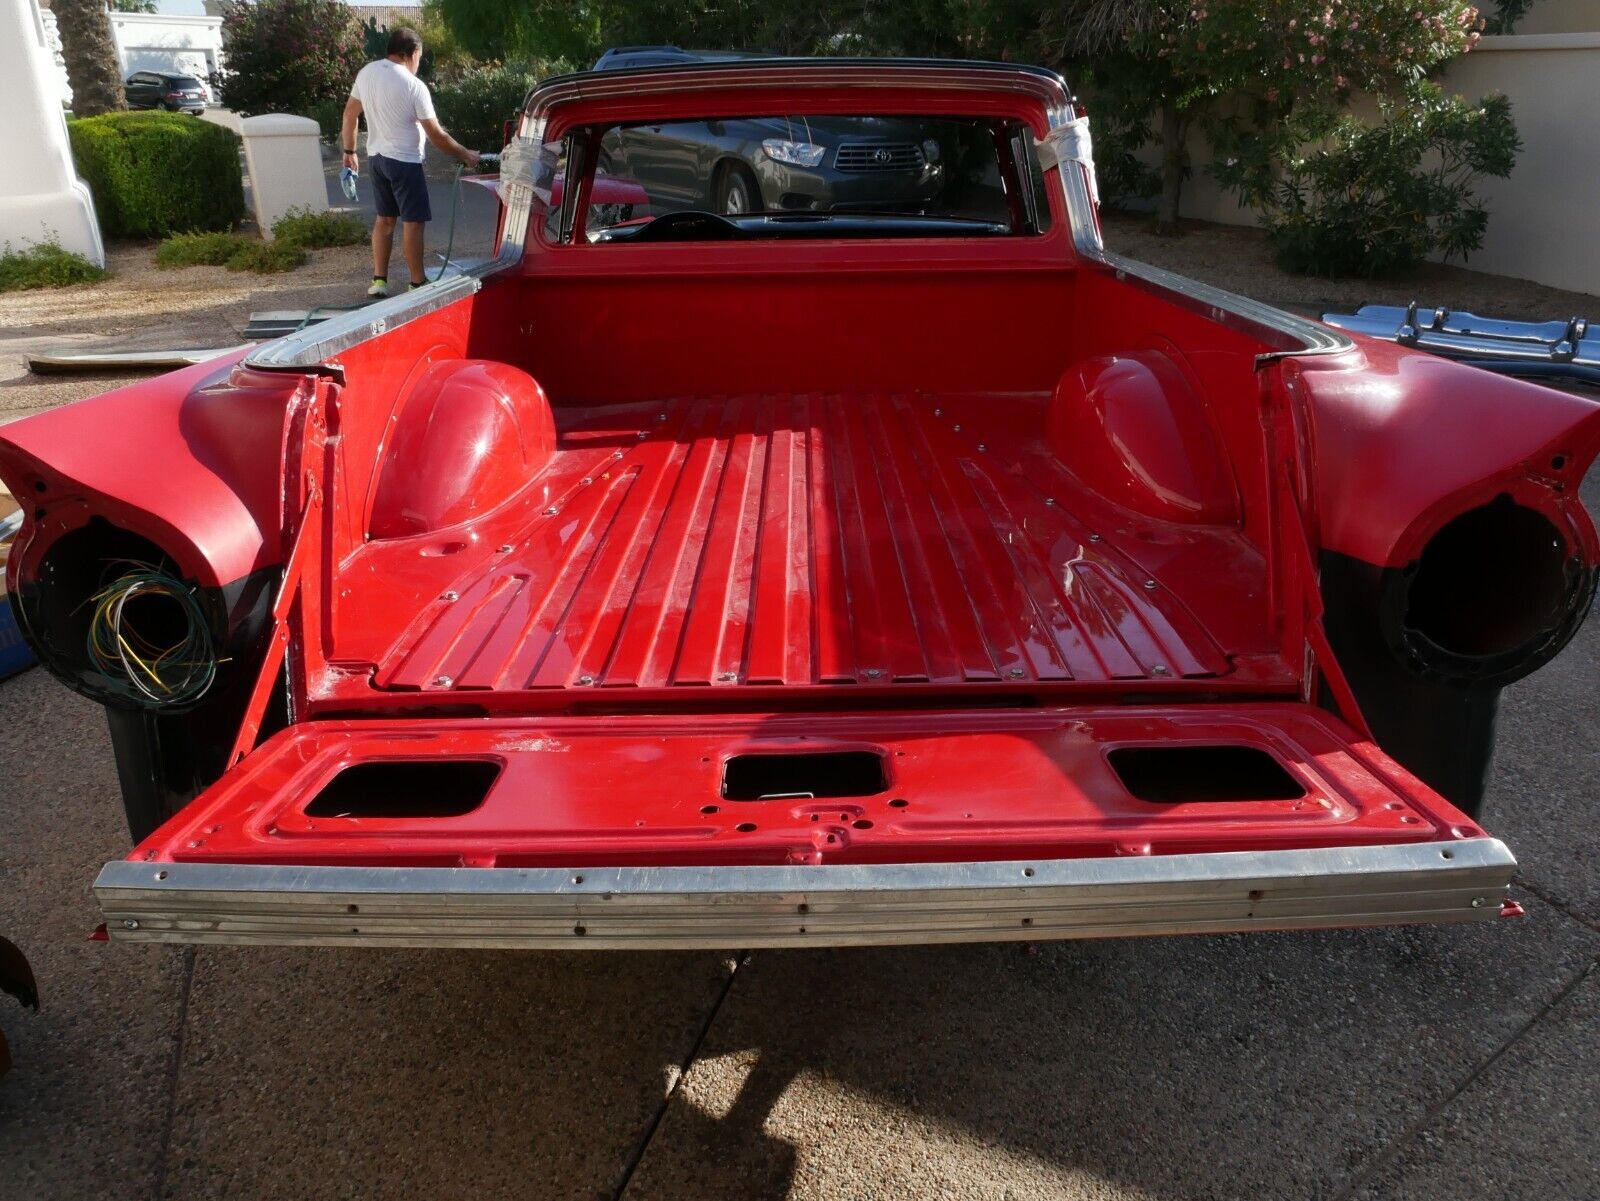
800,540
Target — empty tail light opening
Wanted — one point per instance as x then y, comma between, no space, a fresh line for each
768,777
406,788
1174,775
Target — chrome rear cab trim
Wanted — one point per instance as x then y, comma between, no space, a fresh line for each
843,905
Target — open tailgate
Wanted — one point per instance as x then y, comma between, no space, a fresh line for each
785,829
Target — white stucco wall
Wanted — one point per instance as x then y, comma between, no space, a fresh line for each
1544,222
1561,16
41,197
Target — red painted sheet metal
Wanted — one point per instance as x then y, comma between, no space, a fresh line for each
1402,441
974,784
215,430
799,540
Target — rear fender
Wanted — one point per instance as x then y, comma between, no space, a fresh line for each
1455,553
190,461
184,469
1400,443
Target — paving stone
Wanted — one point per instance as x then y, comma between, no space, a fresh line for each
313,1073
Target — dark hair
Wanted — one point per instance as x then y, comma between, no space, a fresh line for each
403,42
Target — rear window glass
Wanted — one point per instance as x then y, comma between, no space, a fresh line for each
184,82
848,176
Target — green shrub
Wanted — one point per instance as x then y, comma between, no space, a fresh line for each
316,230
199,250
154,174
329,116
1373,200
475,106
236,252
44,265
287,56
267,258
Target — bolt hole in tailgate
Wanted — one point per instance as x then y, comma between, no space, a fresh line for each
754,830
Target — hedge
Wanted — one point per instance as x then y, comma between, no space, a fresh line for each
475,106
154,174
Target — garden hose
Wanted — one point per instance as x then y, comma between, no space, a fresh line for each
455,205
347,183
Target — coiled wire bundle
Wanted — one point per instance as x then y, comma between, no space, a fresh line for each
143,654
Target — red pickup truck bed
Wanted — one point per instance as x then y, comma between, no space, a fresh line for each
814,540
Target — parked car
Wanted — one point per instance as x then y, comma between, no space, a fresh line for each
803,578
790,163
177,93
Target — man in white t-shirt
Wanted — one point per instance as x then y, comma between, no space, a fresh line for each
399,114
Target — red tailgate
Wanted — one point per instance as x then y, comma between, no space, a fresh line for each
804,789
863,829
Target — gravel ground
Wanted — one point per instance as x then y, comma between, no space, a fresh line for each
143,307
1238,258
1436,1062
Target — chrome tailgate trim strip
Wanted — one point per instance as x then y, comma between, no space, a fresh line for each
845,905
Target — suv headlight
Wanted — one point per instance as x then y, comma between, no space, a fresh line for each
930,151
796,154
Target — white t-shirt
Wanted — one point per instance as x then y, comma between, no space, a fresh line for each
393,101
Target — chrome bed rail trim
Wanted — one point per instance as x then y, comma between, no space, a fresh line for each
843,905
1229,308
1304,336
317,343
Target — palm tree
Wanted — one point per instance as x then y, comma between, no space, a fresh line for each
91,55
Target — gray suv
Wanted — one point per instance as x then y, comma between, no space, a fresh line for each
790,164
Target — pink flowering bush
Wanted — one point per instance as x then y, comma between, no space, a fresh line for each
288,56
1310,49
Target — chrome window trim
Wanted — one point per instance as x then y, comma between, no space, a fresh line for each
830,905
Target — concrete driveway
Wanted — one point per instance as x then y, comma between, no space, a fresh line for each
1442,1062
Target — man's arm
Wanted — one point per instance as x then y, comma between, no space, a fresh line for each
347,133
446,144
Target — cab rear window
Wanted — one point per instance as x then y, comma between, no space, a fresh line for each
801,175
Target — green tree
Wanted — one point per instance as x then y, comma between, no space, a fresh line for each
1272,61
495,31
91,57
288,56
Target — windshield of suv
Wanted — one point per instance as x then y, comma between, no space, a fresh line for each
813,176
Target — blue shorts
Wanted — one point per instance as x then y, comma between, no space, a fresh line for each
400,189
